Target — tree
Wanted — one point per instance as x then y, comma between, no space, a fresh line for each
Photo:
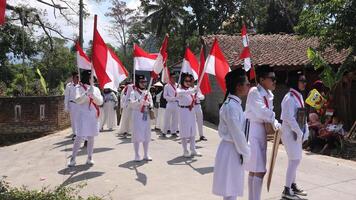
122,19
332,21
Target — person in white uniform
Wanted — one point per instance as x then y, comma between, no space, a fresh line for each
171,113
233,151
186,101
259,110
89,98
294,131
126,112
199,115
109,116
161,111
69,102
141,103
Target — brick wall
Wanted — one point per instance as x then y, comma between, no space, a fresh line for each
29,119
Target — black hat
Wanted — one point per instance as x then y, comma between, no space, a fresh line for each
85,76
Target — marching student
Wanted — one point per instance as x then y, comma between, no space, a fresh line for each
109,110
125,125
141,103
69,102
171,113
259,111
233,151
294,131
199,115
186,102
88,98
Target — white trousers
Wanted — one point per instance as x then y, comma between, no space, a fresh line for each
109,115
73,114
171,117
76,146
199,117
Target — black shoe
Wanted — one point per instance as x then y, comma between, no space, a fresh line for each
73,137
163,135
85,143
297,190
287,194
202,138
174,135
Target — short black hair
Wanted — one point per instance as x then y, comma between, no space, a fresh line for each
234,78
74,73
262,71
293,79
184,76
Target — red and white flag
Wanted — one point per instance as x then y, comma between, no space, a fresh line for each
205,87
108,67
142,60
162,57
83,61
2,11
190,64
245,54
217,65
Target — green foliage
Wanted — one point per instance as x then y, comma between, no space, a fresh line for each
332,21
59,193
42,81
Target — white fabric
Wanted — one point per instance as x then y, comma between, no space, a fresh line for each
125,126
143,63
258,113
187,68
257,187
187,121
290,126
291,172
109,113
199,116
82,62
230,198
228,171
160,118
114,69
171,112
209,66
88,122
76,146
70,106
250,187
141,129
69,95
258,144
73,114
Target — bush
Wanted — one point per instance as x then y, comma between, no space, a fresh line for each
59,193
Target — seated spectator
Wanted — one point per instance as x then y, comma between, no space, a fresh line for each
332,133
314,126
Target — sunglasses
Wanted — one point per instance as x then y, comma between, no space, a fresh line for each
303,80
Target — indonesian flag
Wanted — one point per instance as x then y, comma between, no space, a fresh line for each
142,60
190,64
217,65
108,68
162,57
2,11
83,61
245,54
205,87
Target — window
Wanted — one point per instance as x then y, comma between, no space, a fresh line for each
17,113
42,112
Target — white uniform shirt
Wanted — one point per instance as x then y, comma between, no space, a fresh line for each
290,105
169,92
69,94
256,109
125,96
185,96
199,97
232,124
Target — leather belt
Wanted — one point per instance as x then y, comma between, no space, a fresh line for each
184,106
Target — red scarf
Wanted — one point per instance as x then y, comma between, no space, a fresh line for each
298,98
91,101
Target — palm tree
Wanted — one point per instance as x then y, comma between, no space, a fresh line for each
162,14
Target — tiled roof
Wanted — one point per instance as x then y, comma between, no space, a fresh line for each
276,50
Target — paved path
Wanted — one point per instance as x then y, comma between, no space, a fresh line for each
42,162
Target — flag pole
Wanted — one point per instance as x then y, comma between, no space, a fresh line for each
92,74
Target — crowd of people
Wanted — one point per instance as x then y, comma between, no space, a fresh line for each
174,109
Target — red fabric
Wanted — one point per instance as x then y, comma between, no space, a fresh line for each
81,52
164,54
99,58
139,52
92,102
2,11
266,102
193,62
297,96
221,65
245,53
205,87
252,73
243,30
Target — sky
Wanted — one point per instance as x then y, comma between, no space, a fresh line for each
92,6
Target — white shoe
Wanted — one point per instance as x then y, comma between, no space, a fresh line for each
137,159
71,163
90,161
196,153
147,158
186,154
